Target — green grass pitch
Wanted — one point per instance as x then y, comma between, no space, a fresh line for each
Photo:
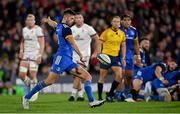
57,103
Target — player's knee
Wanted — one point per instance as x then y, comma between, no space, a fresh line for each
33,74
22,75
51,79
136,85
48,82
118,78
101,79
88,77
22,72
167,96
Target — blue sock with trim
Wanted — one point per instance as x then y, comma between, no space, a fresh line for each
40,85
88,89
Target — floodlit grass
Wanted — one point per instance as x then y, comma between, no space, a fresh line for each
57,103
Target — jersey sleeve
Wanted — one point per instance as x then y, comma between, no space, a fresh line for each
91,31
103,36
66,32
39,32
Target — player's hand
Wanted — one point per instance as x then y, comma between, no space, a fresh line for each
39,59
83,59
94,55
165,82
137,61
44,20
123,62
21,55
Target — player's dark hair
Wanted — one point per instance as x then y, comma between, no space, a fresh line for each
142,39
78,13
69,11
126,16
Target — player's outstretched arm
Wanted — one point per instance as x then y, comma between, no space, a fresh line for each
159,75
50,22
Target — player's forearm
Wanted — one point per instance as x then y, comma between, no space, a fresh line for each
76,48
21,47
42,46
158,73
74,45
51,22
97,46
123,46
136,47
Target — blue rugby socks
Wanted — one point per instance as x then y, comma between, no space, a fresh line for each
88,89
40,85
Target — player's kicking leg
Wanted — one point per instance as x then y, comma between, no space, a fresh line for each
82,73
52,77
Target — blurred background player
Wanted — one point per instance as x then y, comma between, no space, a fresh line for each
144,46
31,50
83,35
149,73
111,40
132,47
62,61
162,88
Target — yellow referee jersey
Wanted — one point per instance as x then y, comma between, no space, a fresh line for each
112,41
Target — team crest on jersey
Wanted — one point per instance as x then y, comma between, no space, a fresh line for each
139,73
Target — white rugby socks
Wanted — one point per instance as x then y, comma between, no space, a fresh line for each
74,92
27,81
80,93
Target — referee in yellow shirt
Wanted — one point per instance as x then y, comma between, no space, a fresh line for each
111,40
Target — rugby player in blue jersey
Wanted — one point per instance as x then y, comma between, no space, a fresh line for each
62,61
144,45
161,88
149,73
132,51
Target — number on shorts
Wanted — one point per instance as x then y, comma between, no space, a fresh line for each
58,59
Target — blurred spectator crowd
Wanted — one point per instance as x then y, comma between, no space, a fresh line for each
158,20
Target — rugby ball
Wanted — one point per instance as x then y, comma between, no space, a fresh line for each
103,59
